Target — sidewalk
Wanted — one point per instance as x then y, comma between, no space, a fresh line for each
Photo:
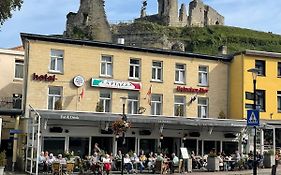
246,172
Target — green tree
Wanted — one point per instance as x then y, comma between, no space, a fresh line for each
6,8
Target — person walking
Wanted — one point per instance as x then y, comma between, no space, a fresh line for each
274,167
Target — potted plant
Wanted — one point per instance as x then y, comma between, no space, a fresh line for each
99,107
213,162
269,159
3,161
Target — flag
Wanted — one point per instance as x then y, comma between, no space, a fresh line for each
82,94
148,95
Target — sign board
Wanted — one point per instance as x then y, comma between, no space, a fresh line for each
184,153
78,81
253,118
116,84
16,131
249,106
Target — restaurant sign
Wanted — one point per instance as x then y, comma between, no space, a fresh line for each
115,84
190,89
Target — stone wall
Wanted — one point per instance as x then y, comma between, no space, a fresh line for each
89,22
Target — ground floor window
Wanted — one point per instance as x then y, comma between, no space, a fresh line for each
105,144
54,145
229,147
190,144
128,146
80,146
148,145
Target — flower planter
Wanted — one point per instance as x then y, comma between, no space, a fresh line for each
213,164
268,161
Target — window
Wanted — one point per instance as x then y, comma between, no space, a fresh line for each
279,101
106,66
180,73
157,71
56,61
105,101
134,69
19,69
279,69
202,107
55,98
260,64
261,100
133,103
179,106
156,104
203,75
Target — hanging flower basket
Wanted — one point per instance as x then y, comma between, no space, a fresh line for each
120,126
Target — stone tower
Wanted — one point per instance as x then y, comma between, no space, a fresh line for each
89,22
196,13
168,12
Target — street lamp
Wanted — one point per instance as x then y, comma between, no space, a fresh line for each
124,118
255,72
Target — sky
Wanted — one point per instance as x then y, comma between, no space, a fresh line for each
49,16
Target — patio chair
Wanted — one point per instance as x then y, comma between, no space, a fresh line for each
56,168
69,168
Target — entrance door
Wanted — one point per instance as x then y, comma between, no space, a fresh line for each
79,145
170,145
148,145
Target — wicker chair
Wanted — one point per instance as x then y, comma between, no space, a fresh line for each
56,168
69,168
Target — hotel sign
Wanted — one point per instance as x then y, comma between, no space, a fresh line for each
70,117
115,84
190,89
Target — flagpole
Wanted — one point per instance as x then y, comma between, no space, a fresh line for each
77,99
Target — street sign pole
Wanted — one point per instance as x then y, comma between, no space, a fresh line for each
255,128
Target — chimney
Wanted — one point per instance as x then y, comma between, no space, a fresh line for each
222,50
121,41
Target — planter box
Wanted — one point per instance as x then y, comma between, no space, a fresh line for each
213,164
2,170
268,161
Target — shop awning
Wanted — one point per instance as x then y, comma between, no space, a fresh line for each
108,117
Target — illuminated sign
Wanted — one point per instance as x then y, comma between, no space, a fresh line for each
190,89
46,77
116,84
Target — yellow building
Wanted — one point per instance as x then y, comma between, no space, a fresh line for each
173,99
268,91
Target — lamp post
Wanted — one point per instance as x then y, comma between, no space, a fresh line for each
255,72
124,118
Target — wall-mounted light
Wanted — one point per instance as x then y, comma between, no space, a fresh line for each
117,136
184,137
161,137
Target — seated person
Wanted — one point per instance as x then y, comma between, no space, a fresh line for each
250,160
117,160
50,161
128,163
107,163
42,161
220,161
94,162
174,162
151,161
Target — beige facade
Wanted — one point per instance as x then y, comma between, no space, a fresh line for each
86,61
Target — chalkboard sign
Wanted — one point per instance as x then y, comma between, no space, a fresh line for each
184,153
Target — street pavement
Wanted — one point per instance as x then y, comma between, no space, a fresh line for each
244,172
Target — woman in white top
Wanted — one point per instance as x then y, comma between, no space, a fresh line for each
107,163
128,163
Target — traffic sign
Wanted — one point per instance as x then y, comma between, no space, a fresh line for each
253,118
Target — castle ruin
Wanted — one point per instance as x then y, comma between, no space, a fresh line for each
199,15
89,22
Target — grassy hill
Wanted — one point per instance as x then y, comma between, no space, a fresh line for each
208,39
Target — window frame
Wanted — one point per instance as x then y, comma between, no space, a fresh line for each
135,67
258,91
56,57
261,72
201,73
106,64
200,106
278,97
133,102
104,99
157,69
54,96
183,104
279,68
154,105
19,62
179,70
